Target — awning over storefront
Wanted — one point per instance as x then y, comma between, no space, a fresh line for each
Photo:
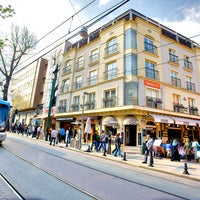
185,121
130,121
162,119
110,121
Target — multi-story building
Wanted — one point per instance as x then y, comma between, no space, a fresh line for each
27,92
133,76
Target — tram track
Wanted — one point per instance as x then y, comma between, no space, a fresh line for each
88,167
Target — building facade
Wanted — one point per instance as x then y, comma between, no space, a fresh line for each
133,76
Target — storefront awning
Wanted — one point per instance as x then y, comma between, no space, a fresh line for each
130,121
185,121
162,119
110,121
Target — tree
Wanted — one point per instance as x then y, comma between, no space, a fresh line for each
5,12
20,43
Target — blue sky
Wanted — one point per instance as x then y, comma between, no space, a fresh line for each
41,16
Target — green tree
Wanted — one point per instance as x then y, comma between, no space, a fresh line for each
15,47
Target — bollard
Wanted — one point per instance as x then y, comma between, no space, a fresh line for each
186,169
124,157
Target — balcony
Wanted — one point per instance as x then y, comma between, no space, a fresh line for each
150,48
109,102
188,65
154,102
153,74
193,110
62,109
90,105
66,70
64,88
176,82
173,58
75,107
179,108
190,86
111,50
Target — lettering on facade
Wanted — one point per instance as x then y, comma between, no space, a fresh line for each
152,84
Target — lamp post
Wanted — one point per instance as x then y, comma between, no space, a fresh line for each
82,118
50,101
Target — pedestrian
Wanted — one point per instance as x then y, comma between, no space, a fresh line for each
149,150
62,135
38,132
103,142
187,147
195,146
94,138
54,135
118,145
175,153
97,141
67,137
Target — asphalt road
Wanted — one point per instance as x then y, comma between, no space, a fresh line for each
36,170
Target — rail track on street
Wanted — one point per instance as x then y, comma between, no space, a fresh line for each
40,157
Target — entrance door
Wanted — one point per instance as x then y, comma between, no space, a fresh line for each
173,133
130,135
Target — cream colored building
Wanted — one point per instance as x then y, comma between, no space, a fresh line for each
133,76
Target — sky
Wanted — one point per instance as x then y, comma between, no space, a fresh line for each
41,16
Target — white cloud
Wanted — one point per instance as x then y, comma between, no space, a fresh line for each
103,2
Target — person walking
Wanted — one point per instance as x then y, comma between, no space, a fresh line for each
62,135
94,138
195,146
175,154
187,148
54,135
149,150
67,137
118,145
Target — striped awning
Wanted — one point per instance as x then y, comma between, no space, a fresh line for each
162,119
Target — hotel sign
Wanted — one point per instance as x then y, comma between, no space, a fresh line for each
152,84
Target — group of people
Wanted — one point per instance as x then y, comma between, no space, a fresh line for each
103,141
174,150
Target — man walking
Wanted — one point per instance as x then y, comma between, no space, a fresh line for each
149,150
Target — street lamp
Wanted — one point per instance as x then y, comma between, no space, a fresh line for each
82,118
51,101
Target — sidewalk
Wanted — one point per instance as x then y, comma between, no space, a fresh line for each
164,165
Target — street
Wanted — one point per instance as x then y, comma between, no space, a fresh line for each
36,170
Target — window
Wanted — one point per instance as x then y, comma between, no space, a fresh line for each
152,97
130,39
148,45
178,107
187,63
93,78
172,56
110,98
65,85
94,55
130,64
174,80
176,99
111,71
131,93
67,68
62,106
76,103
78,82
91,101
111,46
80,62
150,71
189,84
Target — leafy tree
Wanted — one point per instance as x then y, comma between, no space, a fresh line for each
15,47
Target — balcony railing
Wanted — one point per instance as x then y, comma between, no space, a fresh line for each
173,58
111,49
75,107
154,102
109,102
150,48
64,88
62,109
193,110
190,86
90,105
66,70
176,81
179,107
151,73
188,64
